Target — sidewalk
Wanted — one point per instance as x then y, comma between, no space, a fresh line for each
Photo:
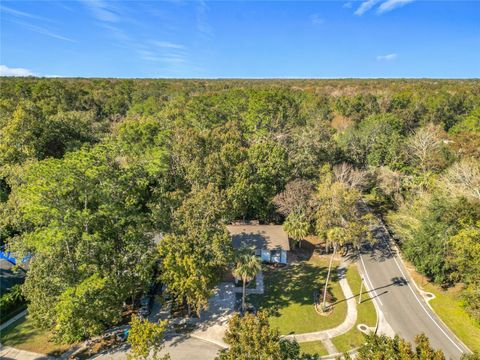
7,353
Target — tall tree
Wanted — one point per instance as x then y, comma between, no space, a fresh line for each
83,220
251,338
338,218
384,348
296,198
297,227
246,267
377,140
145,339
425,146
257,180
197,250
464,253
463,178
425,224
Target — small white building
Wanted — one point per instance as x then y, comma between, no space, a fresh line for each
269,241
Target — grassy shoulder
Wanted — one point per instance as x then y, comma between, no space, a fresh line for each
25,336
288,297
448,306
313,348
366,314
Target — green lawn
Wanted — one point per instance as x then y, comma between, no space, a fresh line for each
289,297
366,314
23,335
447,304
313,347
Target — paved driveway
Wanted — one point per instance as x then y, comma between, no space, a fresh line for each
203,343
190,348
179,347
213,322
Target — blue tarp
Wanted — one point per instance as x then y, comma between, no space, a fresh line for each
7,255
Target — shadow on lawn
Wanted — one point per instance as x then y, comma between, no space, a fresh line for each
12,336
295,284
23,331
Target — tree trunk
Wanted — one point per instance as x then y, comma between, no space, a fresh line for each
244,293
328,278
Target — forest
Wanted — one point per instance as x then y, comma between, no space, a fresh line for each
93,170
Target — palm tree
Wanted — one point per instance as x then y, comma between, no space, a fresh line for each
296,226
333,238
246,268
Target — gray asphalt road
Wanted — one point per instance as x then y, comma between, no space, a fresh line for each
404,308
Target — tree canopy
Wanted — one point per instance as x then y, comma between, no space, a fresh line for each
93,170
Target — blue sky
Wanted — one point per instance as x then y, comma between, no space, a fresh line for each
321,39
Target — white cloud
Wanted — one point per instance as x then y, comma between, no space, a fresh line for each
43,31
167,44
8,71
102,10
347,5
316,19
18,13
173,60
392,4
203,25
365,6
388,57
386,5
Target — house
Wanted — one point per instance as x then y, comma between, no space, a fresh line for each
269,241
10,276
12,272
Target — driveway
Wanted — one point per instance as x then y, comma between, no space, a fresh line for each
213,322
201,344
179,347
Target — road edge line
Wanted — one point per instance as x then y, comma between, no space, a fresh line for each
397,252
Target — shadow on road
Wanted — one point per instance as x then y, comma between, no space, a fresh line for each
396,281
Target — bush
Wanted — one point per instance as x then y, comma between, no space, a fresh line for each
471,298
10,302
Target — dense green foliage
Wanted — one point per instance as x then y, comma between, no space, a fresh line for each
11,301
145,339
93,170
382,347
196,250
250,338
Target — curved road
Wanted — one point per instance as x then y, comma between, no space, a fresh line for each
397,297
